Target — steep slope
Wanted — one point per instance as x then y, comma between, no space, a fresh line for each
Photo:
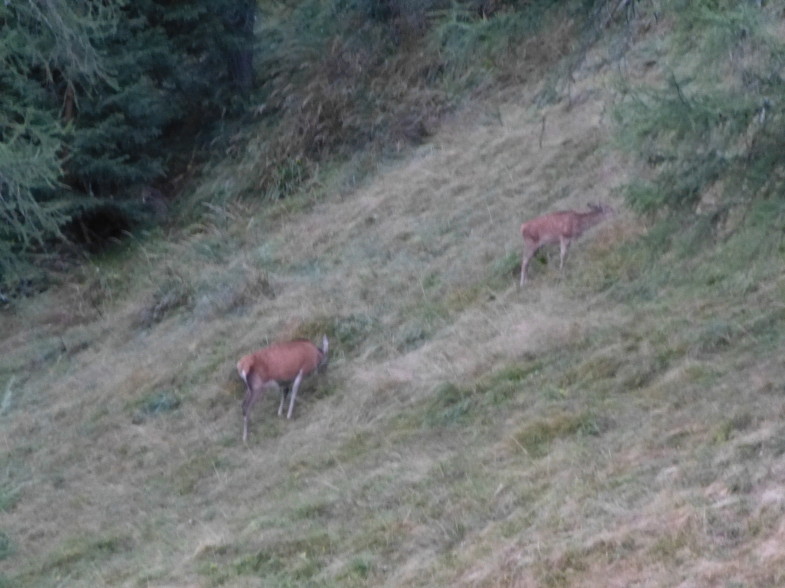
578,432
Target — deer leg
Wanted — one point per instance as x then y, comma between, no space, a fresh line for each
284,393
251,396
295,387
523,269
525,264
565,247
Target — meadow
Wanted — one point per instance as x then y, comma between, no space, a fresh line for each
619,423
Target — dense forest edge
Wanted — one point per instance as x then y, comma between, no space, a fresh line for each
111,112
183,182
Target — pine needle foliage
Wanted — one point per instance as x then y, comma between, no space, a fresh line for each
171,81
98,100
710,132
44,45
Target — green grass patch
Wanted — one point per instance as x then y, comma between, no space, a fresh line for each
194,471
6,546
536,436
357,445
10,494
715,336
173,293
451,405
319,509
361,566
726,428
596,371
458,405
231,290
346,333
676,546
154,404
77,556
287,562
504,269
262,564
505,382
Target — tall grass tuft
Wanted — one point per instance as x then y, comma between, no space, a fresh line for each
343,77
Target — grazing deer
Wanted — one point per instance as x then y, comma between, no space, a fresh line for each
282,363
558,227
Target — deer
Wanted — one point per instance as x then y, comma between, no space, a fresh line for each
558,227
284,364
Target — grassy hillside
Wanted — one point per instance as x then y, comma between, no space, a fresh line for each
618,424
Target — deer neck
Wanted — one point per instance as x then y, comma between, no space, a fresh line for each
587,220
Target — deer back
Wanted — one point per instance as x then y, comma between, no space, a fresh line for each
549,228
281,361
564,224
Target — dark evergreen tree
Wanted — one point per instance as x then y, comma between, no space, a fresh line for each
96,99
177,67
46,50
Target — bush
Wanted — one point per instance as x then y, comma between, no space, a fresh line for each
338,77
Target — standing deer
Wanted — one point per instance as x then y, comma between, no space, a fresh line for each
280,363
558,227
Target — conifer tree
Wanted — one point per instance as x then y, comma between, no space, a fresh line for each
96,97
46,49
177,67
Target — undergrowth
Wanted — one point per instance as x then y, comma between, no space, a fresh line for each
374,78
